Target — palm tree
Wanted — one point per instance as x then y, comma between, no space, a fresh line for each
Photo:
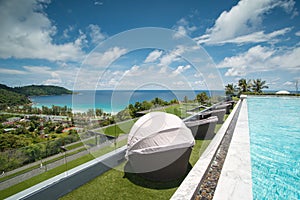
244,85
230,89
258,85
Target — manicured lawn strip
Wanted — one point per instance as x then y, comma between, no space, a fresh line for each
116,184
118,129
74,146
180,110
18,173
113,185
109,148
44,176
115,130
198,149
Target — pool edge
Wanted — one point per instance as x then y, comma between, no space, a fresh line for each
235,181
191,184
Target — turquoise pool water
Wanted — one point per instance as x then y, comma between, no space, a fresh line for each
274,124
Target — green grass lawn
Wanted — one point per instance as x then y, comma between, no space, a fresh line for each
179,110
116,184
118,129
74,146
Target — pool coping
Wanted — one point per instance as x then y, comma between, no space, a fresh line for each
235,181
191,184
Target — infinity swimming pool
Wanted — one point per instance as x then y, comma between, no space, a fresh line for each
274,124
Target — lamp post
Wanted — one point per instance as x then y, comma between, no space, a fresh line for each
115,129
47,146
62,148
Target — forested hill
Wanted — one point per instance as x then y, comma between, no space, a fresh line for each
41,90
11,98
19,95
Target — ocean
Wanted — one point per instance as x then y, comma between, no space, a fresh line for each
111,101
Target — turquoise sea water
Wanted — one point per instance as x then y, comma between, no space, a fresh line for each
113,101
274,124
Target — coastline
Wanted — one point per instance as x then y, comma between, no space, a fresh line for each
111,101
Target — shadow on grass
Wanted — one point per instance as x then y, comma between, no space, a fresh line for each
137,179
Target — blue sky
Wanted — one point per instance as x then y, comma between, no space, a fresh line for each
54,42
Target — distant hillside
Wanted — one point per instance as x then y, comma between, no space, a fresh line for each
41,90
11,98
19,95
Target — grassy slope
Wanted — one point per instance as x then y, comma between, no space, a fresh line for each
129,186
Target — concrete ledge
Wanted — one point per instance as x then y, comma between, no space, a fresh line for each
62,184
190,186
235,181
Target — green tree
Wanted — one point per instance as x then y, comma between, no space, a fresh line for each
202,97
137,106
146,105
99,112
158,101
124,115
230,89
59,129
244,85
258,85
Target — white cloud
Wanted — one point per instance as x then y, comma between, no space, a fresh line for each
288,83
153,56
26,32
297,33
11,71
242,22
258,36
95,33
198,75
237,71
146,75
38,69
52,82
180,32
199,83
180,69
254,55
172,56
179,83
183,28
97,59
133,71
67,31
98,3
40,75
259,59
